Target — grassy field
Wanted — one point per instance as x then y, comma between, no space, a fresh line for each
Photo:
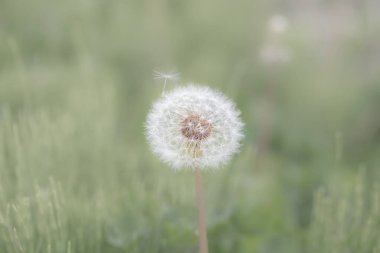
76,84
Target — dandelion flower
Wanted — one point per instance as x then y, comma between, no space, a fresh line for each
194,127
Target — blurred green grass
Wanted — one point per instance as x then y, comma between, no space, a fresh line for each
76,174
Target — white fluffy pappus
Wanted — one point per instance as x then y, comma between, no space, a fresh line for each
194,127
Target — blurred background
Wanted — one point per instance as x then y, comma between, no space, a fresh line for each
76,83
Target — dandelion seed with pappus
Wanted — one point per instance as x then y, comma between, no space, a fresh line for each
171,76
174,76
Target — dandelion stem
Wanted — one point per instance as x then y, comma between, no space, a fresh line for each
266,127
203,244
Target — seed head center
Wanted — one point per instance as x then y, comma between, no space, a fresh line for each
196,127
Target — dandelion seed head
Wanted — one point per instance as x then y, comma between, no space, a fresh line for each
278,24
194,126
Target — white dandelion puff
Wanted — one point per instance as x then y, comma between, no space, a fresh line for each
278,24
275,51
194,127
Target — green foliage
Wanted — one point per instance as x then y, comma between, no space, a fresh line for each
346,220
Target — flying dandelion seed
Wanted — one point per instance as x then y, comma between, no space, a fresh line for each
171,76
166,76
194,126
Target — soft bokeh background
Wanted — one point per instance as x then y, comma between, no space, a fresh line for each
76,83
